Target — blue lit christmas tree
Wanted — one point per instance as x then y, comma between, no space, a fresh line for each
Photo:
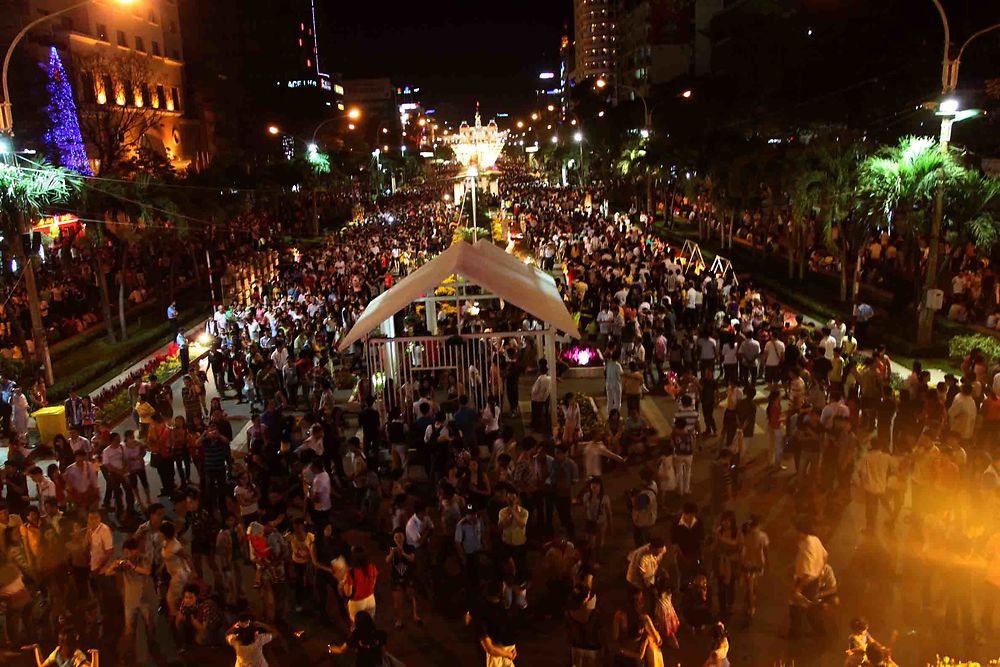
63,136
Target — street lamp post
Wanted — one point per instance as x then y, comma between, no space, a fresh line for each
646,111
6,117
949,115
353,114
38,335
473,177
578,138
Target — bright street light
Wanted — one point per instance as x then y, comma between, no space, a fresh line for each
555,139
601,83
686,94
273,129
551,107
520,124
312,148
578,137
948,106
644,133
534,116
354,113
350,126
6,117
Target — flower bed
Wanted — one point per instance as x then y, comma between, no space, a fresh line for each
113,403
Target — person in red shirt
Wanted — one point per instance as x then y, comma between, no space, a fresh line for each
359,584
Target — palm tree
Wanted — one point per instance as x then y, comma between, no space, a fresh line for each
842,229
970,209
641,161
897,187
27,189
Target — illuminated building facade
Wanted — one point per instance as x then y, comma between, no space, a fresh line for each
596,45
128,56
256,63
479,145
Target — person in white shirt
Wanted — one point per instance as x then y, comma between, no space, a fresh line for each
774,356
644,563
540,392
593,453
829,344
874,471
78,443
113,469
962,415
810,560
314,442
420,527
321,490
280,357
44,488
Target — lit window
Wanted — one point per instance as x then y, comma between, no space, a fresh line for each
101,93
309,63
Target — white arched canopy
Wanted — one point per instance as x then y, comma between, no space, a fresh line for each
483,264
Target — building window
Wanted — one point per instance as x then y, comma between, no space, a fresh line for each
88,88
104,88
173,27
140,45
176,54
122,40
155,47
152,16
128,93
102,32
144,90
160,101
174,103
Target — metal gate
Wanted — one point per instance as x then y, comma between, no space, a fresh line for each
396,366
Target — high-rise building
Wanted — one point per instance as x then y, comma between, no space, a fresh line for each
255,63
596,38
127,68
657,41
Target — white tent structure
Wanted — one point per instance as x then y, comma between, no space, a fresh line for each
400,359
483,264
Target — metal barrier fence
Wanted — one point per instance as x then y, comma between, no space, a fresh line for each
396,366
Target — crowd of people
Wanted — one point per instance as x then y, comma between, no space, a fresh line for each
68,277
472,513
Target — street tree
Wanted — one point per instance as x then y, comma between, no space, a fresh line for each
112,124
27,189
897,186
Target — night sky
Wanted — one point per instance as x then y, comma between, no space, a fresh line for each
456,51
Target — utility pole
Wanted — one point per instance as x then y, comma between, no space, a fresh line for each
949,116
39,338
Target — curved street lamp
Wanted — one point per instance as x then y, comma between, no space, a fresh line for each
6,118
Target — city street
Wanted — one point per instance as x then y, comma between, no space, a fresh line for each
577,333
